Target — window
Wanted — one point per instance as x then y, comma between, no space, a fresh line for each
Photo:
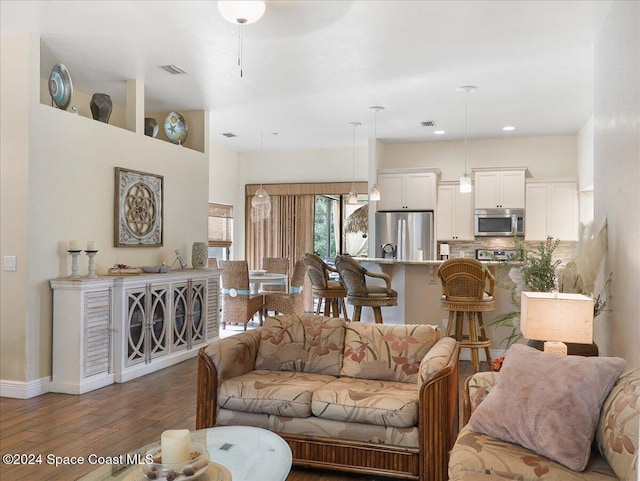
220,230
340,227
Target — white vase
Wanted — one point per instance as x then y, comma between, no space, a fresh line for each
199,255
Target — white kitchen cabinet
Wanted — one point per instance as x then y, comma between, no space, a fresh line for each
500,188
407,190
454,214
113,329
552,210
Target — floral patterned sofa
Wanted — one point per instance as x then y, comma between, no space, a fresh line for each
614,455
354,397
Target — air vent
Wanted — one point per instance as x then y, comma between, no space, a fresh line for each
173,69
428,123
229,134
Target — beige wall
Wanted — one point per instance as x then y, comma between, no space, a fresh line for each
61,188
553,156
617,174
17,57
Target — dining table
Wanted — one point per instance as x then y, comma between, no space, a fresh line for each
256,279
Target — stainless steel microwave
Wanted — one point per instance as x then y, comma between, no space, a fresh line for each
499,222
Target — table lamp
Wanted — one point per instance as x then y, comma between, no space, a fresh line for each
556,318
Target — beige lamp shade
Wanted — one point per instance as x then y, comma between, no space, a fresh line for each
556,317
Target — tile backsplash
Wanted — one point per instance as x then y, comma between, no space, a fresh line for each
565,250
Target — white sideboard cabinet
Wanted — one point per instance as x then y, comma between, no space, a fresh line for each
113,329
407,190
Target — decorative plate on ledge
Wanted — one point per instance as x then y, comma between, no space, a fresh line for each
176,128
60,86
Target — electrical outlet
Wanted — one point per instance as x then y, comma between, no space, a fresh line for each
10,263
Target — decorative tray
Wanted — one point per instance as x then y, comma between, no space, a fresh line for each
60,86
124,271
156,269
215,472
176,128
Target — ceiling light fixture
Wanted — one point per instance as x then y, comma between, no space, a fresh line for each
241,13
260,202
353,193
508,128
439,132
465,180
374,193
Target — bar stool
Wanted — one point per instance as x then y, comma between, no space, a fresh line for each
353,276
332,293
465,296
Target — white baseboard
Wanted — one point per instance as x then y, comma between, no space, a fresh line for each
24,389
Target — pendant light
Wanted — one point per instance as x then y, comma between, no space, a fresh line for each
260,202
465,180
241,13
374,193
353,193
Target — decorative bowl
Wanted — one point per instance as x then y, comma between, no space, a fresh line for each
156,269
192,469
258,272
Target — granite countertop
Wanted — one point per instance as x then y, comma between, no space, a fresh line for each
381,260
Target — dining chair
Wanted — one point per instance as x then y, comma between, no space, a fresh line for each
331,293
238,304
291,302
359,293
467,292
275,265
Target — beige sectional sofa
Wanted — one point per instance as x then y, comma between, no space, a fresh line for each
354,397
477,456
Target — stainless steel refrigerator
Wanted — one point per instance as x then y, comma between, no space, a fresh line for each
405,235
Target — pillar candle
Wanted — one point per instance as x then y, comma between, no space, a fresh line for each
91,246
74,245
174,446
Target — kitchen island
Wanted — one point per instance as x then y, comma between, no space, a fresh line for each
419,292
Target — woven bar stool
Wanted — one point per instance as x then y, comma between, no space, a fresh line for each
332,293
465,296
353,276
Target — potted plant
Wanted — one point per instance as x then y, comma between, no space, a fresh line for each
537,273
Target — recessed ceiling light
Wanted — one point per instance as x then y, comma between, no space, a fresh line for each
439,132
508,127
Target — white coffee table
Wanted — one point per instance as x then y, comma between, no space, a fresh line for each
250,454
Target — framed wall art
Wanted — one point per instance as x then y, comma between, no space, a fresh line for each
138,209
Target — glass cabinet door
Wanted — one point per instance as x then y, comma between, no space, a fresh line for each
198,291
136,311
158,323
180,309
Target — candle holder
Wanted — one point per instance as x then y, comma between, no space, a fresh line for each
92,264
74,264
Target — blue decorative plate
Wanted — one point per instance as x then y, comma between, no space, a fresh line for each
60,86
176,128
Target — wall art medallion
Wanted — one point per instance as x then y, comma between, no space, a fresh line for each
138,209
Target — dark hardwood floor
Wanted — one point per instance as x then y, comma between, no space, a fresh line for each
110,421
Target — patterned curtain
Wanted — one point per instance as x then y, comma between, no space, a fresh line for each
287,233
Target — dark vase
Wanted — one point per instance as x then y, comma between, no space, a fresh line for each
150,127
101,107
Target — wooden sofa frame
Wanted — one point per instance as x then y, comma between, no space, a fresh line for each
437,424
